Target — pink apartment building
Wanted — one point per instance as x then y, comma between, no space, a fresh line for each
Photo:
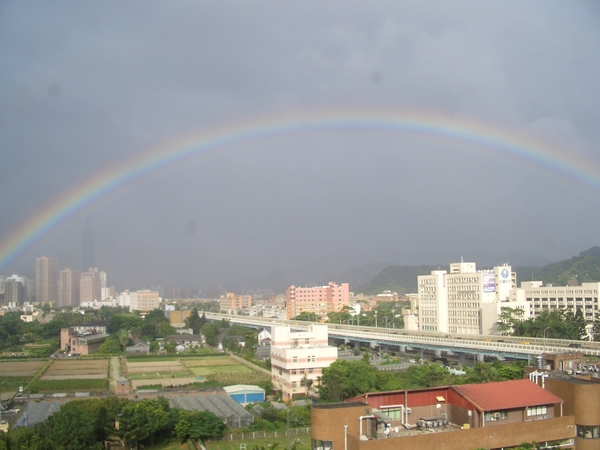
320,300
298,358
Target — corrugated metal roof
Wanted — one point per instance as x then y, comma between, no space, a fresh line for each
506,395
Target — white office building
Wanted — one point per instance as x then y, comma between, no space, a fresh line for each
533,297
463,300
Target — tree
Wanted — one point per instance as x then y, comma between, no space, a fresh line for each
210,331
71,429
111,346
199,425
155,414
195,322
307,316
509,318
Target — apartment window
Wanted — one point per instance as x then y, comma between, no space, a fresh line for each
537,411
294,384
307,341
310,370
294,359
293,372
322,445
588,432
496,415
311,358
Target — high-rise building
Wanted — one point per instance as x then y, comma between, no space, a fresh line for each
69,287
230,303
90,286
46,280
14,291
464,301
320,300
89,255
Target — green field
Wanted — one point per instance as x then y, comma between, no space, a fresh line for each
12,384
68,385
302,443
213,370
135,359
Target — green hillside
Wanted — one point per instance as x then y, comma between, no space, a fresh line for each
584,268
403,279
400,279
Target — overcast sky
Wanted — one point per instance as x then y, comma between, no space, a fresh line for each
89,86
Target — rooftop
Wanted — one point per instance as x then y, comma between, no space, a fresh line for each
506,395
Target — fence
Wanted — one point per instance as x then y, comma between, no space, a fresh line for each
250,435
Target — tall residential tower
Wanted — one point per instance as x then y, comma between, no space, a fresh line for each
46,280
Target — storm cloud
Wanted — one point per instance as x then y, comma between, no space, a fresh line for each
88,87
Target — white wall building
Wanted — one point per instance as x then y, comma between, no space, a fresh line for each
144,301
533,297
463,300
297,357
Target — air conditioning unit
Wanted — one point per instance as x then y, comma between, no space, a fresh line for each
408,410
496,415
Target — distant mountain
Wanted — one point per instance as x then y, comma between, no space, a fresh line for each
400,279
403,279
583,268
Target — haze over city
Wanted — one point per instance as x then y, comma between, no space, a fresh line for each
261,144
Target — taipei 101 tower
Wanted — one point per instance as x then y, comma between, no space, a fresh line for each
88,257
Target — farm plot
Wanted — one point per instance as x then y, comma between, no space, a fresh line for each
20,368
156,370
77,369
18,373
225,371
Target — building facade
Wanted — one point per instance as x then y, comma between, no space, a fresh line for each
534,297
463,300
144,301
90,286
578,385
46,280
231,303
320,300
298,358
69,287
14,291
489,415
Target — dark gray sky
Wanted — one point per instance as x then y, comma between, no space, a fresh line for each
87,86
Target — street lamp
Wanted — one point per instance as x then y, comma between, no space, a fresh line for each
375,319
547,328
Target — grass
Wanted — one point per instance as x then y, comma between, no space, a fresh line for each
168,446
67,385
12,384
214,370
151,358
282,442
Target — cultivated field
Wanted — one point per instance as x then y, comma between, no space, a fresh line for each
82,369
224,370
20,368
156,370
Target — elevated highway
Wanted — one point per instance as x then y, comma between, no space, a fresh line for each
500,347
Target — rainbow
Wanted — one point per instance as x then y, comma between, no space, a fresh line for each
463,132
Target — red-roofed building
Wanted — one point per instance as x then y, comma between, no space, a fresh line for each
449,417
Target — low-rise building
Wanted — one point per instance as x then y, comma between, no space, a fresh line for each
84,343
298,358
578,384
490,415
